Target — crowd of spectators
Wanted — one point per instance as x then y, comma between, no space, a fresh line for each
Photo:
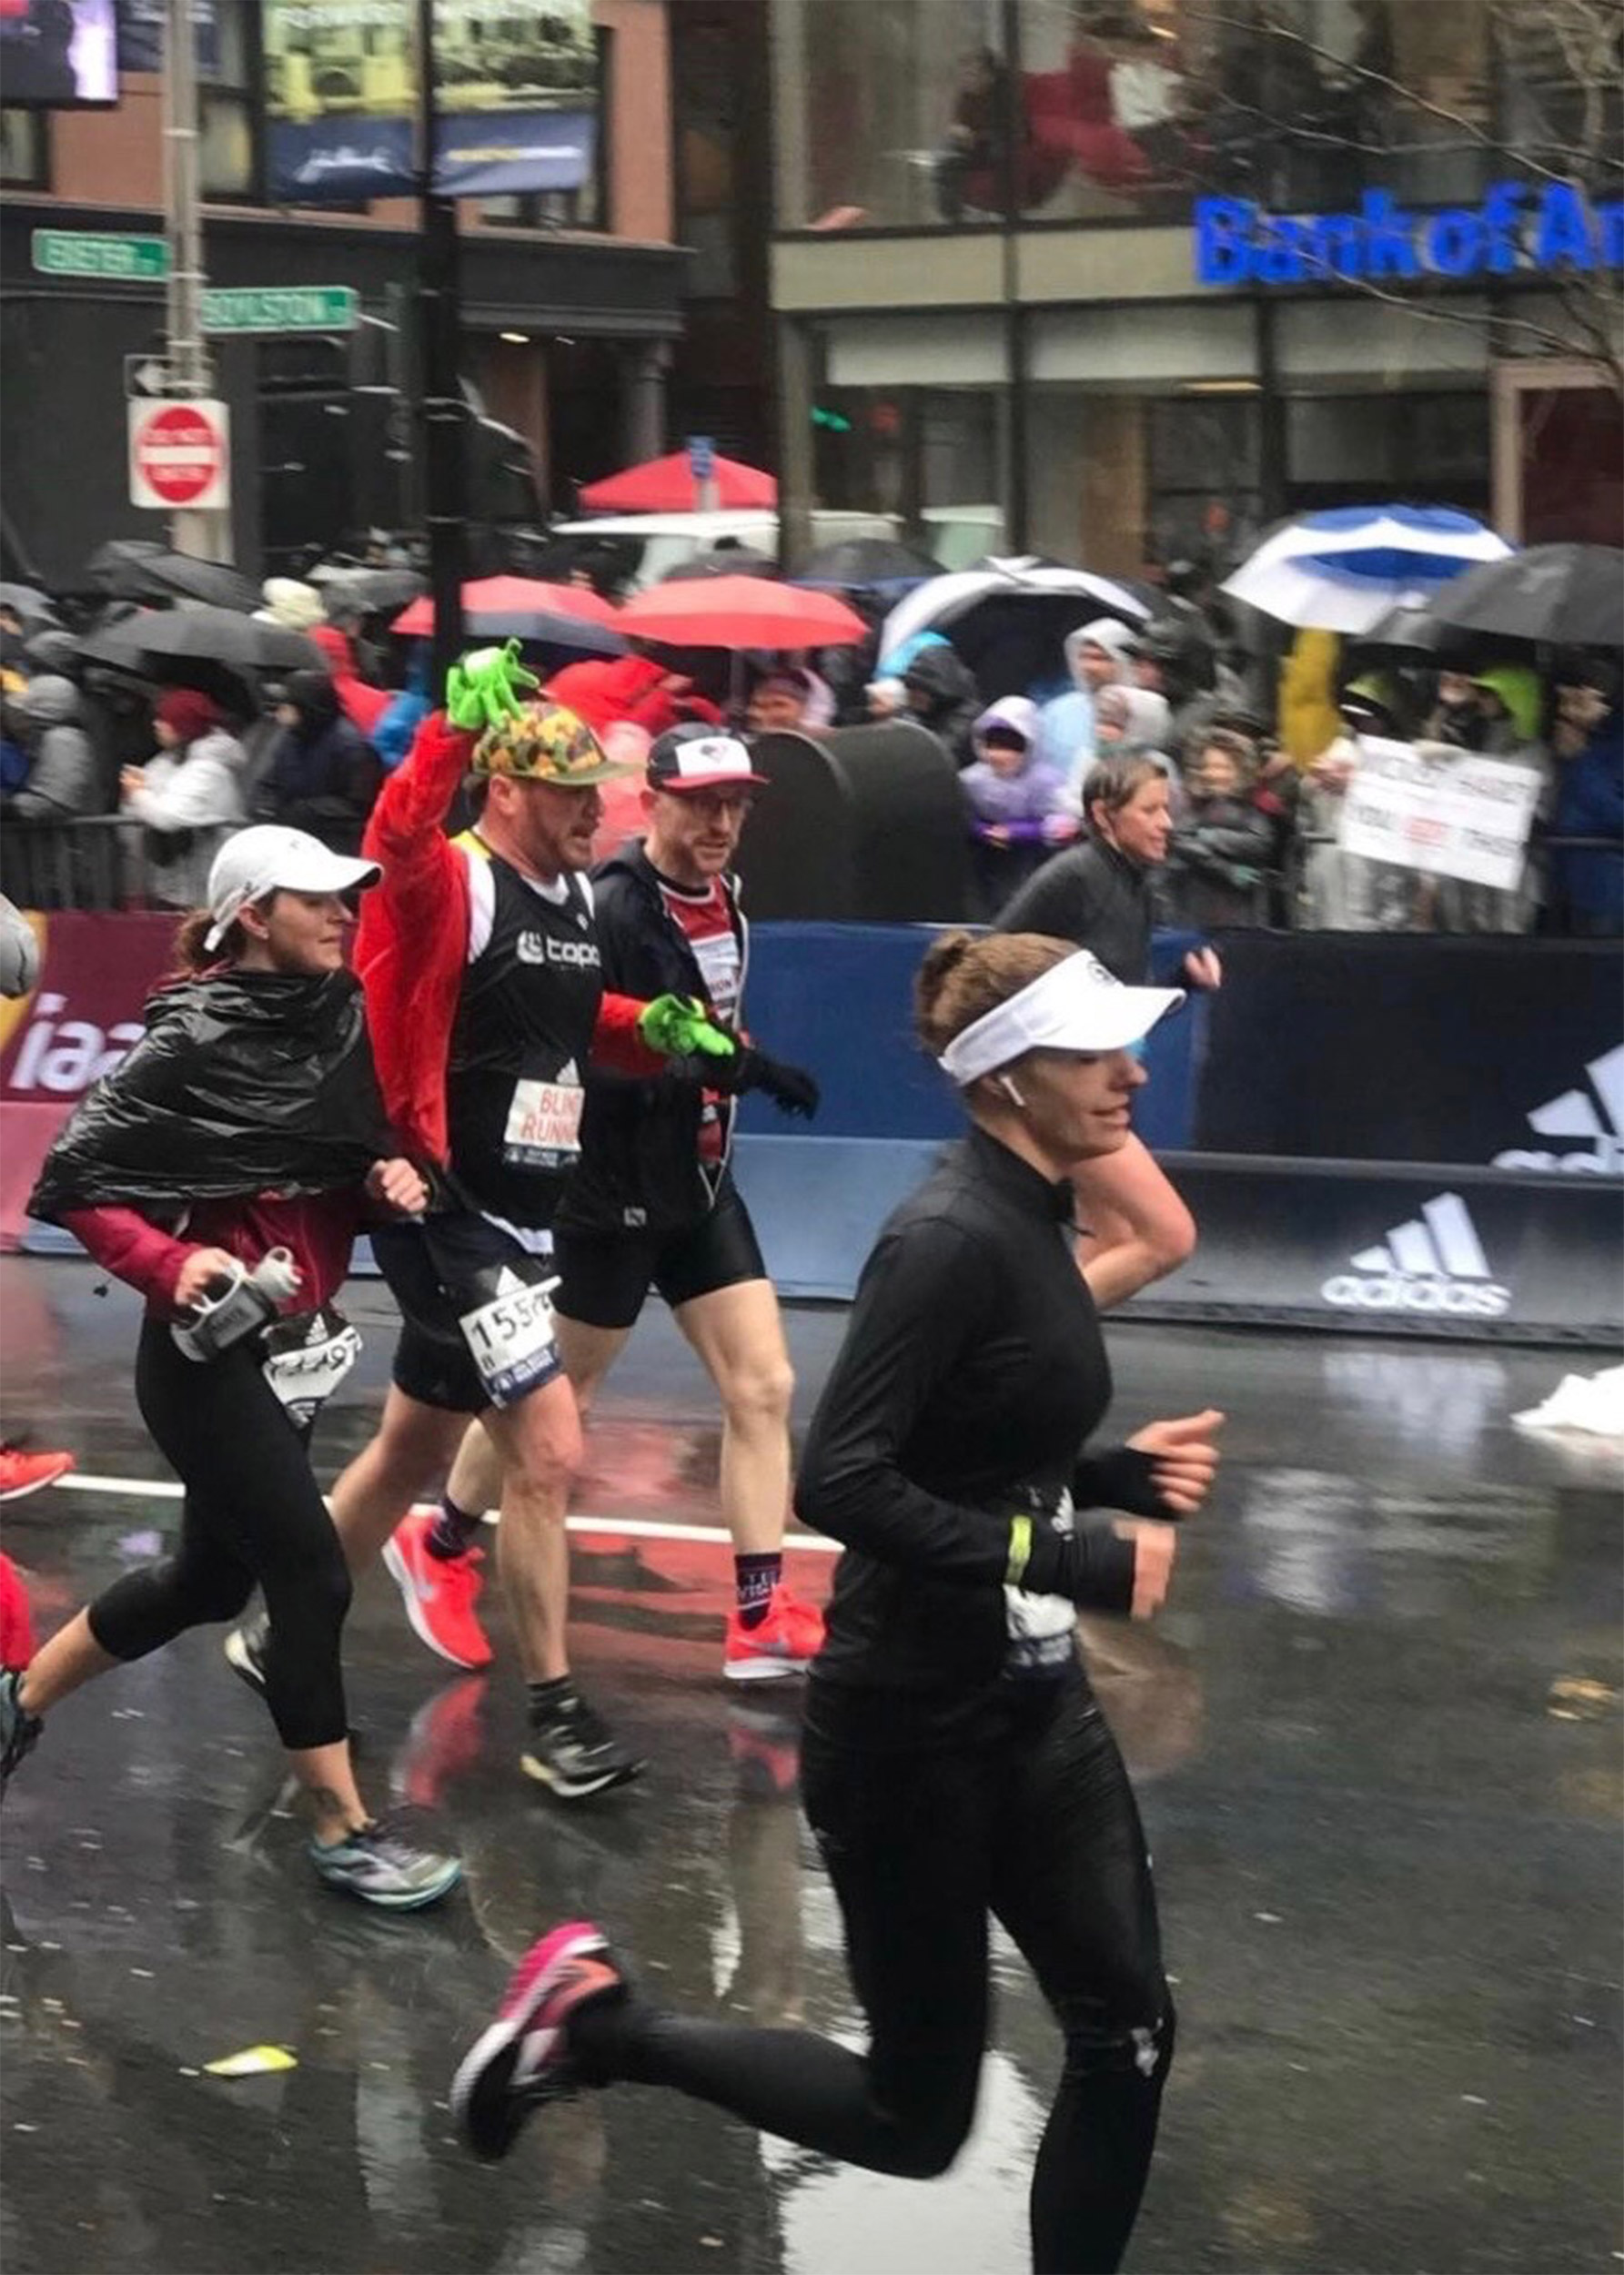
1258,770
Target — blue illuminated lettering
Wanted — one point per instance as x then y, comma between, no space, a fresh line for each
1237,242
1565,233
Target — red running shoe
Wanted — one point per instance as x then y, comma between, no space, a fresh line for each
23,1472
523,2058
785,1643
439,1592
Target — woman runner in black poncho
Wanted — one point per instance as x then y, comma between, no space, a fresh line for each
956,1765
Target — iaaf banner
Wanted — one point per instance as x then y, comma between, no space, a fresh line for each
96,975
517,92
1424,806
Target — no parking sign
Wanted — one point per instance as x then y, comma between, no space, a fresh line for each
180,455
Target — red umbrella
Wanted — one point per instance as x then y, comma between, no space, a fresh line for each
740,613
666,485
513,596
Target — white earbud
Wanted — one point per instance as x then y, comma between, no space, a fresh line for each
1006,1085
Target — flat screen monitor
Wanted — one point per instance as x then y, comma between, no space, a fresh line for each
58,54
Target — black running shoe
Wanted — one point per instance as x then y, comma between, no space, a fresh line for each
245,1651
19,1730
574,1751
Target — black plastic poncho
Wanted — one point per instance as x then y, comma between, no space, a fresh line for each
245,1082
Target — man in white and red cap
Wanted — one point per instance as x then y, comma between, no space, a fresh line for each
652,1203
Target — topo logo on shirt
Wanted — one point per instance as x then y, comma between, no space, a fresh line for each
540,947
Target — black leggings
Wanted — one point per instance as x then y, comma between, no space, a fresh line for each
253,1512
1037,1826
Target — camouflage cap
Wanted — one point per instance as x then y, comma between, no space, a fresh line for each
544,743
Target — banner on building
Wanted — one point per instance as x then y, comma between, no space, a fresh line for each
1446,812
518,95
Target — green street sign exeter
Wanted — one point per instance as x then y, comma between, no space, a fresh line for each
281,308
67,253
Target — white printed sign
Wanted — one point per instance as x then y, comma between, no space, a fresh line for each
1449,813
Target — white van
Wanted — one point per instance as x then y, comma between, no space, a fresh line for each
653,544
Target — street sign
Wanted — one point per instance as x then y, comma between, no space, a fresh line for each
145,374
180,456
69,253
281,308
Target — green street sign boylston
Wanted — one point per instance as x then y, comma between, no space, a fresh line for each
226,307
69,253
281,308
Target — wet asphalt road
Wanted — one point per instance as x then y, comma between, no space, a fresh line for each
1377,1741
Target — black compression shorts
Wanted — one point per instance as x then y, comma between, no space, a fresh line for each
433,1362
604,1278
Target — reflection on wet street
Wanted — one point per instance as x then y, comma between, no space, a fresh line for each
1377,1740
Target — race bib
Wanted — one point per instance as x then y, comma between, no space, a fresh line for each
543,1128
1042,1630
513,1338
307,1358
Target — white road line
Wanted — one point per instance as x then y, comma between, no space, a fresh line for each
633,1528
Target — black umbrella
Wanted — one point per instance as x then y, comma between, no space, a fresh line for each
369,591
135,569
1566,596
205,635
864,564
26,601
725,560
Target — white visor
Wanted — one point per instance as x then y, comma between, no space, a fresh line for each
271,858
1075,1006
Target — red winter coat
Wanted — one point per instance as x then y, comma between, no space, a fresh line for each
629,688
411,945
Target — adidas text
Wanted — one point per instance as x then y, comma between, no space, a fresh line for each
1433,1264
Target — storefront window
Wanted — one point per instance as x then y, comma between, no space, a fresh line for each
889,117
1132,106
228,110
24,150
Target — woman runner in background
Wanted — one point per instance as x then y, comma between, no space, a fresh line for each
956,1764
253,1093
1134,1227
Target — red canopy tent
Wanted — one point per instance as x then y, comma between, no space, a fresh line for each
666,485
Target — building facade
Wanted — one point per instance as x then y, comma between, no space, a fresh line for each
1126,280
571,304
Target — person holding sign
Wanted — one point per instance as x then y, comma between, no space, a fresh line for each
485,994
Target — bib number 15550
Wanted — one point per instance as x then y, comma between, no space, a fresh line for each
513,1341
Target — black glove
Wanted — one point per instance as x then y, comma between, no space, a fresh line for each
1091,1565
791,1089
1121,1477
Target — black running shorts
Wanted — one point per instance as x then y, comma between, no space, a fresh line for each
605,1277
423,1263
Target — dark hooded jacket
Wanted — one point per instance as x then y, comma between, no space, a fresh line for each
943,695
322,776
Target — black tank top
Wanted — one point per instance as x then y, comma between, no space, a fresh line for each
520,1046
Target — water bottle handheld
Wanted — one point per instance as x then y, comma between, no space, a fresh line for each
249,1300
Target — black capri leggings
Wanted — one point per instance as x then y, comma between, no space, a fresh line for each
253,1512
1037,1826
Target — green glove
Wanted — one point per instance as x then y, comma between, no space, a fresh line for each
487,686
676,1026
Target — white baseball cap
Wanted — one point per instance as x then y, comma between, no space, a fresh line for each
1075,1006
271,858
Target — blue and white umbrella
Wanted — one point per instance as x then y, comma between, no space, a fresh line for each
1342,570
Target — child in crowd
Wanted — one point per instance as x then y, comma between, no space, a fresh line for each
1016,800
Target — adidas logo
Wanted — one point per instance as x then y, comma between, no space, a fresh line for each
1575,1114
1434,1263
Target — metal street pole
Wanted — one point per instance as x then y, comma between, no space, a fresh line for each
442,411
191,372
